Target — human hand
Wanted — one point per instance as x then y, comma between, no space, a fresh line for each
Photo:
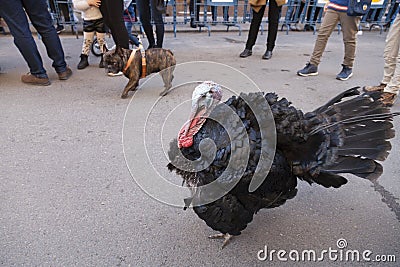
326,6
95,3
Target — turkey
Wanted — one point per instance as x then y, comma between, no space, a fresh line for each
349,135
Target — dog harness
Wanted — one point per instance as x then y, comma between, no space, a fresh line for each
132,56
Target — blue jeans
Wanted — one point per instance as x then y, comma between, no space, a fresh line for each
132,38
14,14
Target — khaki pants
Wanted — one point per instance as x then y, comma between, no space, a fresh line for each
391,71
349,29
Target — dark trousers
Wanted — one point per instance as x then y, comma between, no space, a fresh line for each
147,10
112,11
13,12
273,22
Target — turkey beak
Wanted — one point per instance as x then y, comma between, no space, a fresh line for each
193,113
199,108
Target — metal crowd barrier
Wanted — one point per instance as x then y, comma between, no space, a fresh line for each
227,21
57,14
393,10
236,12
375,14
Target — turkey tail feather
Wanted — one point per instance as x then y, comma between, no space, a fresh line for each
354,134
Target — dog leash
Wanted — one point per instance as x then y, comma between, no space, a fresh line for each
132,56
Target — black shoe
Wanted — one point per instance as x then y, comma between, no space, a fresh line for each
345,73
60,28
308,70
193,24
308,28
83,63
267,55
246,53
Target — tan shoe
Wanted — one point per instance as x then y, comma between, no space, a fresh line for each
32,79
374,88
388,99
65,74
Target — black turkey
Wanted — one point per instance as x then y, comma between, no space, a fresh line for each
349,134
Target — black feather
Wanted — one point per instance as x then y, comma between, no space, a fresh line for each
346,135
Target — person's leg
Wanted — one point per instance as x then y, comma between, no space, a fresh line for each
133,39
329,23
158,20
392,47
87,42
100,30
214,14
225,9
57,16
254,28
349,28
101,40
391,51
145,18
273,22
194,17
65,11
112,11
13,13
41,20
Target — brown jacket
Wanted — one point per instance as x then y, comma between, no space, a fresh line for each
257,4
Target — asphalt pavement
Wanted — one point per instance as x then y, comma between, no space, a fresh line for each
68,198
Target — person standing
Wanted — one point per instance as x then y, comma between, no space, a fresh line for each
336,11
152,9
129,19
15,14
390,83
92,24
112,11
274,10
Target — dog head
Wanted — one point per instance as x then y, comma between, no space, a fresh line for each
115,59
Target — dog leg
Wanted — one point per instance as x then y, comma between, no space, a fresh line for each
131,86
167,76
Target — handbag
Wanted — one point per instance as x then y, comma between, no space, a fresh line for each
358,7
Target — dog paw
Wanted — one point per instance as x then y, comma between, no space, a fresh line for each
164,93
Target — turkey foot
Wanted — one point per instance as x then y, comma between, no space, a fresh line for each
226,237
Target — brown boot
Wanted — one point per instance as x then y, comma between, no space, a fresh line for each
32,79
65,74
374,88
388,99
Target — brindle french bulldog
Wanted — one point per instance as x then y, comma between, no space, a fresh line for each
157,60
